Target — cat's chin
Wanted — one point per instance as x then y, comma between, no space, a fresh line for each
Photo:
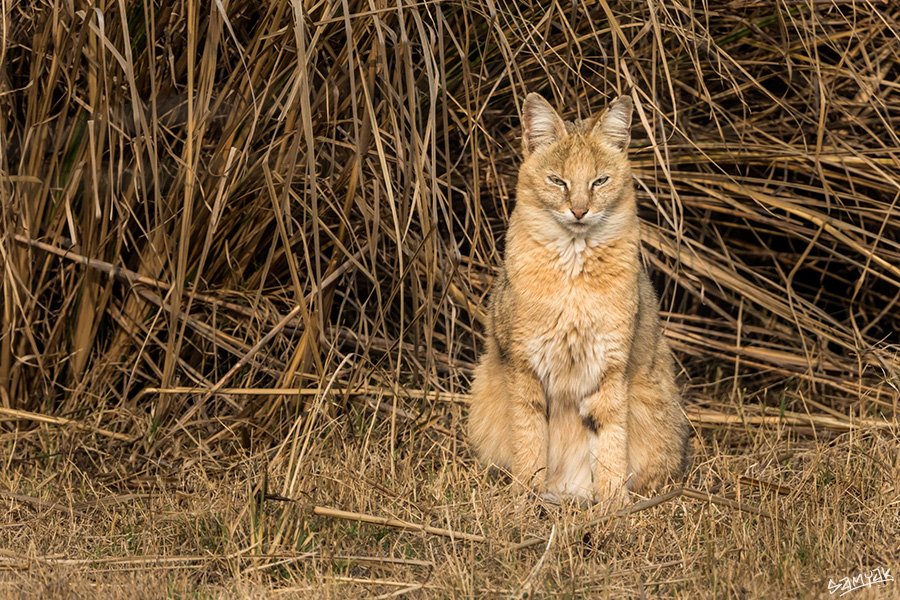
578,226
580,229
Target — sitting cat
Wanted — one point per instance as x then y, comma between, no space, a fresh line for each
576,392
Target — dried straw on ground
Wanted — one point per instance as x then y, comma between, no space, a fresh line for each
247,238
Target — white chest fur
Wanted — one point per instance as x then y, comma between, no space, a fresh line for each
572,334
569,353
570,253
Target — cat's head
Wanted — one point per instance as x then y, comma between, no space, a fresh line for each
577,173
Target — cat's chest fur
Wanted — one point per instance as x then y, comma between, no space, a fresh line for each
577,325
570,354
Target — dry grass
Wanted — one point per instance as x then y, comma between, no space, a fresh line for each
205,529
244,269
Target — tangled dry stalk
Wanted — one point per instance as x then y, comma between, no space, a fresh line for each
245,248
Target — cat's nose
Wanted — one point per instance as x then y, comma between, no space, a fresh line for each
579,213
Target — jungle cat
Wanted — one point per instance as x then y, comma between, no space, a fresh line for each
576,394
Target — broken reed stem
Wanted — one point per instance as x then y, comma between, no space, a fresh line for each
10,561
136,279
712,499
650,503
698,415
388,582
388,522
14,561
42,504
367,390
702,416
619,513
525,591
26,415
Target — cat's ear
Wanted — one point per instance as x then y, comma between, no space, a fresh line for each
614,125
541,126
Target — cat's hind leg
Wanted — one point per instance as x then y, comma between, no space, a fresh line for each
658,432
489,419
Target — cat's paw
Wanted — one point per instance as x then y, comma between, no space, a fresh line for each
549,498
560,499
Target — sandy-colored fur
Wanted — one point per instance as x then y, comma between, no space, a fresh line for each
576,391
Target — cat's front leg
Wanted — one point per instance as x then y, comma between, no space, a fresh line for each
605,415
528,415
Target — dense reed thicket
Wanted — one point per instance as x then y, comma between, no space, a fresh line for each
203,202
245,248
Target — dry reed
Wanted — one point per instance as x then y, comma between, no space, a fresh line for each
254,239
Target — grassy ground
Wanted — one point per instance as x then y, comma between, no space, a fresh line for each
780,515
244,254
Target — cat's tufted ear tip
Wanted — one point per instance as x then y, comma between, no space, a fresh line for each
541,125
614,125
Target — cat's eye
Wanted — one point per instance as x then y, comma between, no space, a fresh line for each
600,182
556,181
